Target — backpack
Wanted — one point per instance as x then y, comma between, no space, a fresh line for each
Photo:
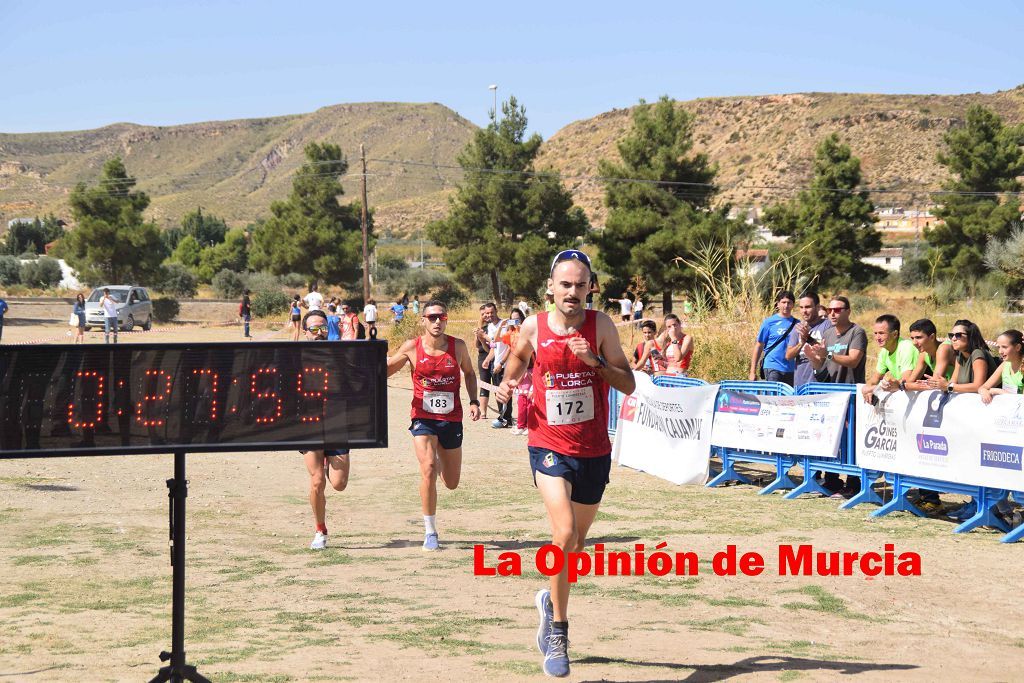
360,330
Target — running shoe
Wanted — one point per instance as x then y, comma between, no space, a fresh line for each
430,542
498,424
556,659
965,511
547,613
319,541
929,507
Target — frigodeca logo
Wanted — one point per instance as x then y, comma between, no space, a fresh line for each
932,444
1001,455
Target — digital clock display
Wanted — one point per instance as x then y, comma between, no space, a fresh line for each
157,398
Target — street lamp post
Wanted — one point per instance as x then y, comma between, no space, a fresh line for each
494,112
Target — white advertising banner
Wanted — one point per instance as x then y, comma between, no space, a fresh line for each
941,436
666,431
795,425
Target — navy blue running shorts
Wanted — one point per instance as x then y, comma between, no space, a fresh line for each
588,476
449,434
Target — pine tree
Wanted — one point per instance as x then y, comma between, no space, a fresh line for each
506,221
832,223
985,159
659,200
311,233
111,242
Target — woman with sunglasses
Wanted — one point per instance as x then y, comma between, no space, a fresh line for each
974,363
436,428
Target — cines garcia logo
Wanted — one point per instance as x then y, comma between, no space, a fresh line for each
1001,455
932,444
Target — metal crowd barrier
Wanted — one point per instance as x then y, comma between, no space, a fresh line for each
985,498
730,456
846,463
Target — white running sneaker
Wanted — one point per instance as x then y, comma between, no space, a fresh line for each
319,541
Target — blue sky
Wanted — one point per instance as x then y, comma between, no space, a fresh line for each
75,65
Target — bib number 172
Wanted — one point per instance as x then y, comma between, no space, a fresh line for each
569,406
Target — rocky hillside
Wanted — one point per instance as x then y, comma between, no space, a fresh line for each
764,146
236,168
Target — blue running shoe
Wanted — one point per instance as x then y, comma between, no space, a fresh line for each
965,512
556,659
547,615
430,542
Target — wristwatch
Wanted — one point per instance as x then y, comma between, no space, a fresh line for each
474,402
601,362
949,388
828,356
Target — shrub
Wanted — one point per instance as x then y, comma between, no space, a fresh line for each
392,262
179,281
228,284
165,309
43,272
415,281
269,302
261,281
451,294
10,270
293,280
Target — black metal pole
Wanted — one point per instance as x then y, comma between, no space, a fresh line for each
178,671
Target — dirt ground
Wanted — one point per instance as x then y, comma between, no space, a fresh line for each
85,588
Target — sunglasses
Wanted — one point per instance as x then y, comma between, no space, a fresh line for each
569,255
434,317
317,329
837,309
958,335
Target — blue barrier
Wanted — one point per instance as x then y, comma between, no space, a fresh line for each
846,463
730,456
986,498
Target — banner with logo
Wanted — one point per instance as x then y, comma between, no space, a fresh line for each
666,431
951,437
795,425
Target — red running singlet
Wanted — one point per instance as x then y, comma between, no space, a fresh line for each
570,400
435,384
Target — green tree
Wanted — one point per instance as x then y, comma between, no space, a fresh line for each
311,232
187,252
506,221
832,223
112,242
985,158
231,254
658,201
32,236
206,229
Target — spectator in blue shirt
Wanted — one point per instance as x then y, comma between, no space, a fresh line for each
399,310
771,344
3,309
333,323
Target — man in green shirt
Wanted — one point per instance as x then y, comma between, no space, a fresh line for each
897,357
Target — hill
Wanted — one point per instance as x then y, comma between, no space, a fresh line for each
236,168
764,145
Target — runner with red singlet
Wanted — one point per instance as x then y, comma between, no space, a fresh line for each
677,345
577,357
648,356
436,428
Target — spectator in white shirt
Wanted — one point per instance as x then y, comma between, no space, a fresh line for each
625,307
314,300
370,316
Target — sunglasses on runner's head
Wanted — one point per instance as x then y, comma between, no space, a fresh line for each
958,335
836,309
317,329
569,255
434,317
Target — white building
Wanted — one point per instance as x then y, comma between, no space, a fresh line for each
889,258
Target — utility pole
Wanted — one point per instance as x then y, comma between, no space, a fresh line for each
366,240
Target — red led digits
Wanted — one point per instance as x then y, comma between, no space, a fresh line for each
156,388
89,415
266,405
311,390
212,378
